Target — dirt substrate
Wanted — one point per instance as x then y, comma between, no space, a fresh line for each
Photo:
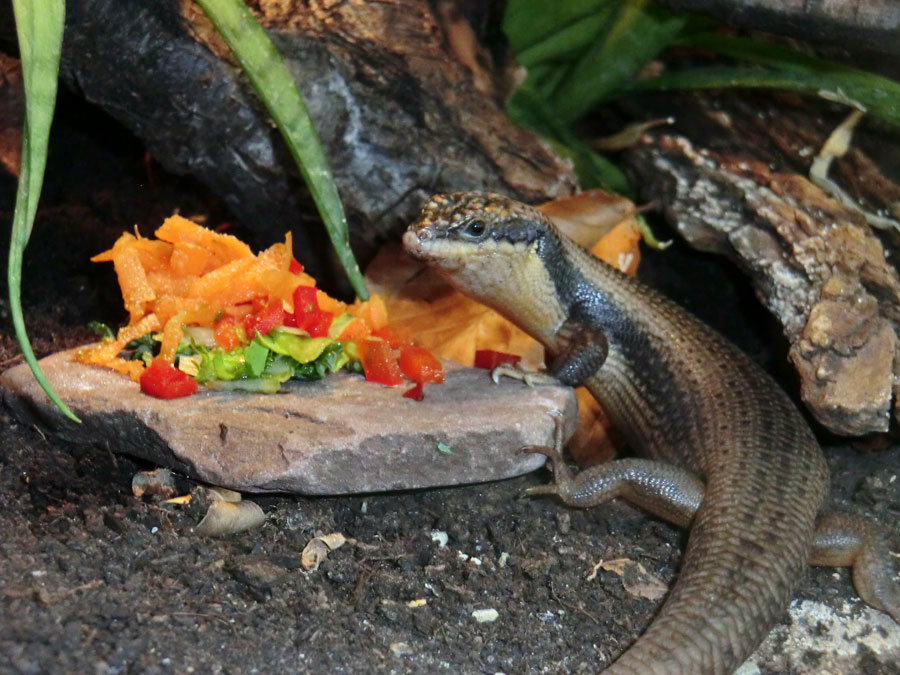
97,581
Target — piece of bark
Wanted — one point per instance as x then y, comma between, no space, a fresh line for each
339,435
815,263
860,25
12,114
397,111
786,131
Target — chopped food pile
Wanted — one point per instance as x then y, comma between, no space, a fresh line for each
203,309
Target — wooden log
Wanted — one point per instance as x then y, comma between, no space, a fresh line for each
402,110
815,263
860,25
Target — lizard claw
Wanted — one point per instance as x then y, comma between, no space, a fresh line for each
529,377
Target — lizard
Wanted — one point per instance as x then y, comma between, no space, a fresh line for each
722,448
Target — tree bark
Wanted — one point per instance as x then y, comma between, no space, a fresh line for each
730,181
859,25
399,113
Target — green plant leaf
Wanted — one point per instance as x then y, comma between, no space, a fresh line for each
785,69
39,28
568,42
636,36
267,73
528,109
527,23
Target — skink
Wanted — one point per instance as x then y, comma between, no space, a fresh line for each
725,451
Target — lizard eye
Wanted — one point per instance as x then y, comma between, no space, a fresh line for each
474,229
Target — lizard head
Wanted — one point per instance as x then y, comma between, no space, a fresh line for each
462,231
489,247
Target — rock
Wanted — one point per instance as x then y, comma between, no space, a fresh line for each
845,359
819,639
336,436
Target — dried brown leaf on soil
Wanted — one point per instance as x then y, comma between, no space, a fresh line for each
635,578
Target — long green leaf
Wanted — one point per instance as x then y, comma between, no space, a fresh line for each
569,41
638,34
528,23
39,26
528,109
267,73
790,70
882,102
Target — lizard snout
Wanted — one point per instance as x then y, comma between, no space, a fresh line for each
415,239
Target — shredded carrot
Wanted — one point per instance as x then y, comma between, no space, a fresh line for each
192,276
373,311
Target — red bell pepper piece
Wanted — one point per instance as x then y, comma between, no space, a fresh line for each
307,315
163,380
378,362
488,358
265,319
421,366
316,323
305,300
295,267
417,393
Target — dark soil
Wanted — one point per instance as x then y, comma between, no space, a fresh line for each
94,580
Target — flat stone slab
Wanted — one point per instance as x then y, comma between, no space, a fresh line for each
336,436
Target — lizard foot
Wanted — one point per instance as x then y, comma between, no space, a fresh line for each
529,377
561,474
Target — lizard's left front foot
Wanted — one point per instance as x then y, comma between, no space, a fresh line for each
561,474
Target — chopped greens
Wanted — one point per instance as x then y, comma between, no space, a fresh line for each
261,365
101,330
144,348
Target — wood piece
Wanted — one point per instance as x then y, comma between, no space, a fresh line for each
340,435
12,114
397,111
861,25
815,263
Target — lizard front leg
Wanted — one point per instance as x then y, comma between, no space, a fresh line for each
584,351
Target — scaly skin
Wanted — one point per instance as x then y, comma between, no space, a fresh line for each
728,452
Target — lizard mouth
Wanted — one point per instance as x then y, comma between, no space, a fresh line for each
422,244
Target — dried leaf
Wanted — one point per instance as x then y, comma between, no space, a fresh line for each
12,114
588,216
621,247
315,552
591,443
636,580
230,517
445,322
220,494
